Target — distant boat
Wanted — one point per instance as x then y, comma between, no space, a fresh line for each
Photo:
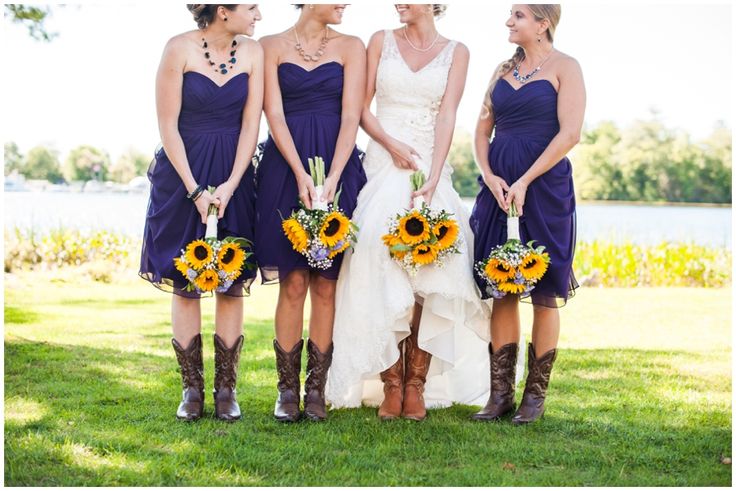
139,184
15,182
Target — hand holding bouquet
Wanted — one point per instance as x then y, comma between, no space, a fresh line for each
210,264
422,235
513,267
323,232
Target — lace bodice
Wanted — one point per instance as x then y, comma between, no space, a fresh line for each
413,98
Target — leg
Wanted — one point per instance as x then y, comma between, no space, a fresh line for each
417,366
289,322
228,343
319,346
505,329
545,331
186,325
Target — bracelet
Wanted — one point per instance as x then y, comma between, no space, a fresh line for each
195,193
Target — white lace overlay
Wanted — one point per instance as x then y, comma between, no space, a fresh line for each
375,297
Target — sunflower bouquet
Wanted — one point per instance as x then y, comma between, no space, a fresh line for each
513,267
422,235
323,232
210,264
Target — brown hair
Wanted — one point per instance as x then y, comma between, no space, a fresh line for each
204,13
540,11
438,9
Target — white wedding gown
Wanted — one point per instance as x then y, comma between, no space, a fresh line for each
375,297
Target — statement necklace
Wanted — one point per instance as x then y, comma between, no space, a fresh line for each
306,56
221,67
522,79
421,50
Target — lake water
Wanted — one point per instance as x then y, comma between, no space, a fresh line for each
643,224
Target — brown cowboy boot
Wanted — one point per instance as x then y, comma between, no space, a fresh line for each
503,372
192,379
288,366
537,380
393,388
318,364
226,375
417,366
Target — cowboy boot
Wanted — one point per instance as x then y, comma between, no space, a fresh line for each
417,366
537,380
318,364
226,375
288,366
503,372
192,379
393,388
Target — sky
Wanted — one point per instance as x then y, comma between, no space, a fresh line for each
94,83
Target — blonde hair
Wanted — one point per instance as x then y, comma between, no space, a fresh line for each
540,11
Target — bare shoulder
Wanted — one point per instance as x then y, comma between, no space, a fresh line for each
461,51
377,38
181,43
251,46
275,40
566,64
348,41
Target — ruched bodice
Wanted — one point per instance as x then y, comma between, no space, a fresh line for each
530,111
311,91
209,108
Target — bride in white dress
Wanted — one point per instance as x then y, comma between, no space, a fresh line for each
434,320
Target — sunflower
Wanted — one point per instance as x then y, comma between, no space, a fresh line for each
424,254
446,232
181,266
334,229
207,281
295,233
230,258
198,254
511,287
499,271
413,228
391,240
533,266
341,247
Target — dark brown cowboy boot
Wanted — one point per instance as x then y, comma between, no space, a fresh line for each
503,372
226,375
288,366
537,380
318,364
417,366
393,388
192,379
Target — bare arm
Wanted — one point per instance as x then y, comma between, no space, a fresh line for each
250,125
445,122
352,95
169,81
400,152
274,109
570,114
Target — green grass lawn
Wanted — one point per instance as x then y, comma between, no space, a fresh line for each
640,395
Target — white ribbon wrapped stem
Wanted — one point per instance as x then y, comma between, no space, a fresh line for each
211,232
418,202
512,228
318,204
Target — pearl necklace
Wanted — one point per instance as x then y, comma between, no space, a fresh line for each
421,50
522,79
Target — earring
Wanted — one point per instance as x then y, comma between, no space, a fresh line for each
225,19
311,6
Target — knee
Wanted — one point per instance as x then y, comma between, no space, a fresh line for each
323,289
294,287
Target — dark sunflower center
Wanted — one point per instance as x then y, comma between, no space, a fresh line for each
443,232
531,264
332,227
414,226
423,250
502,267
228,256
200,252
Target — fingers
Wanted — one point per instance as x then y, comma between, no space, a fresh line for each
519,206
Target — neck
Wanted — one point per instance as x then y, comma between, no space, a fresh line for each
217,37
536,52
422,30
310,29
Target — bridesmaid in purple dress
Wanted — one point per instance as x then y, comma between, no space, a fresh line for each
209,96
536,102
315,85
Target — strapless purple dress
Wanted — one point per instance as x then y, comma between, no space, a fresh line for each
526,121
209,124
312,102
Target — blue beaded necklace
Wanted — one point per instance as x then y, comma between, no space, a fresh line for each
522,79
222,67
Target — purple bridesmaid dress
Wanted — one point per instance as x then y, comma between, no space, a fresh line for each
312,102
526,121
209,125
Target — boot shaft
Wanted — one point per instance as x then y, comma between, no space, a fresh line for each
191,363
226,363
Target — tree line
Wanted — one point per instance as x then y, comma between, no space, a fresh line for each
644,161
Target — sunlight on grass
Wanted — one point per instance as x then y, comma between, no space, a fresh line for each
21,410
